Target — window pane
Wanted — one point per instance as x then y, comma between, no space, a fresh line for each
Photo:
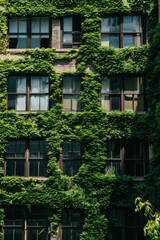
75,103
67,24
139,165
114,85
76,166
42,234
20,148
44,102
76,85
68,167
67,85
139,150
35,26
22,42
10,168
67,150
105,40
114,41
8,233
42,168
67,102
109,149
66,218
114,24
12,84
112,167
66,234
33,165
13,41
115,149
11,101
43,148
105,25
35,41
129,166
44,25
13,28
32,234
115,103
77,37
19,167
44,85
34,149
21,84
127,24
138,103
76,149
127,40
136,23
22,26
67,38
35,84
34,104
128,102
21,103
130,150
76,234
105,102
44,42
75,219
11,149
132,84
77,19
105,85
136,40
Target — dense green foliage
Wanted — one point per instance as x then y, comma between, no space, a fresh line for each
92,190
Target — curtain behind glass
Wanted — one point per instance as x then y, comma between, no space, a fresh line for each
67,24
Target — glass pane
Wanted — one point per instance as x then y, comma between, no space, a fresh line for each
127,24
115,103
138,103
67,38
136,23
13,26
114,85
14,216
105,25
105,102
19,167
21,84
130,150
75,103
42,234
13,42
75,219
127,40
44,102
77,37
115,150
35,26
139,150
10,168
34,104
139,168
116,233
128,102
67,24
68,167
8,233
12,84
66,234
76,234
34,149
35,41
76,166
76,85
44,85
32,234
66,218
22,26
114,24
114,41
67,150
137,40
22,42
132,84
44,42
105,40
11,101
116,216
19,234
105,85
11,149
108,149
42,168
44,25
67,85
21,103
77,20
76,150
33,168
20,148
35,84
129,167
113,167
67,102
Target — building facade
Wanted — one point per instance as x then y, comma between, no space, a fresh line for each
79,118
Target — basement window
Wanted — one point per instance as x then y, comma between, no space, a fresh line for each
26,158
71,94
71,158
28,93
72,35
29,33
122,31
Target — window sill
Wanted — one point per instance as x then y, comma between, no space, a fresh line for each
60,50
138,179
27,178
27,112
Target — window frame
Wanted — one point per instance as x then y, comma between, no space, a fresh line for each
28,93
123,158
26,159
122,93
121,33
25,226
73,44
28,31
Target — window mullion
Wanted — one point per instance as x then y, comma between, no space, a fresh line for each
121,31
27,160
28,33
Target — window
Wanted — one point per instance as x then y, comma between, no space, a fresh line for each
128,157
28,93
71,94
71,158
29,33
121,31
120,94
25,224
71,225
26,158
126,224
72,31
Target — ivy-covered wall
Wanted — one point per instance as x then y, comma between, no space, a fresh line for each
90,189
